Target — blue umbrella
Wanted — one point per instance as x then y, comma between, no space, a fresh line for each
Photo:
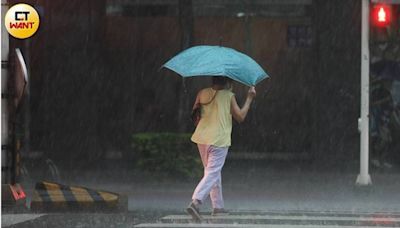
217,61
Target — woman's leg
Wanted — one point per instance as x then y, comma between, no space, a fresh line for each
216,191
203,151
217,199
212,173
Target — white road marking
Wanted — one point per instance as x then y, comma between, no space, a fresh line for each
12,219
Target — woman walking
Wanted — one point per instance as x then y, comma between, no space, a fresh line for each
213,138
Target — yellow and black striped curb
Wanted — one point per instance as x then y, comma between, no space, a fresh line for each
50,196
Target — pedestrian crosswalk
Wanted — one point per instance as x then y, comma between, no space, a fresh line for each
281,219
12,219
156,225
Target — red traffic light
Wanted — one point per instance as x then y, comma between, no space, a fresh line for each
381,15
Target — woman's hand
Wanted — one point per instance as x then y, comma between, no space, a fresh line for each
239,114
252,93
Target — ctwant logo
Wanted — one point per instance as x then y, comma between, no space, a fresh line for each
22,21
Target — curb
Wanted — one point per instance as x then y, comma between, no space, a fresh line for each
50,196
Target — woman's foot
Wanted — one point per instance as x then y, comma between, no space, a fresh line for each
219,212
193,210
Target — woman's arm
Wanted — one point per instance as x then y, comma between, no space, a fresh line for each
239,114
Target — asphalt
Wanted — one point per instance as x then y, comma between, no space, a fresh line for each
268,187
257,185
279,191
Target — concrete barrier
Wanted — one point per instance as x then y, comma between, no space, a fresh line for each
49,196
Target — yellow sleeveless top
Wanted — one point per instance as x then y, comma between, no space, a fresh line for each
215,126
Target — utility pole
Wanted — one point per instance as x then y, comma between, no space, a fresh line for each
364,178
14,79
5,148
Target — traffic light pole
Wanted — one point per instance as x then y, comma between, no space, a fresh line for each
364,178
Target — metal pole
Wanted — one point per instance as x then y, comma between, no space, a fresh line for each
363,122
5,141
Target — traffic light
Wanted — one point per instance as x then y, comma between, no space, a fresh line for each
381,15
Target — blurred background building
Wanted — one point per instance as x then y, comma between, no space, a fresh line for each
96,78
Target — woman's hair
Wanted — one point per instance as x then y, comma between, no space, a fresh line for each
220,80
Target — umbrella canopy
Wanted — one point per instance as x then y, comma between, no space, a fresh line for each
217,61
